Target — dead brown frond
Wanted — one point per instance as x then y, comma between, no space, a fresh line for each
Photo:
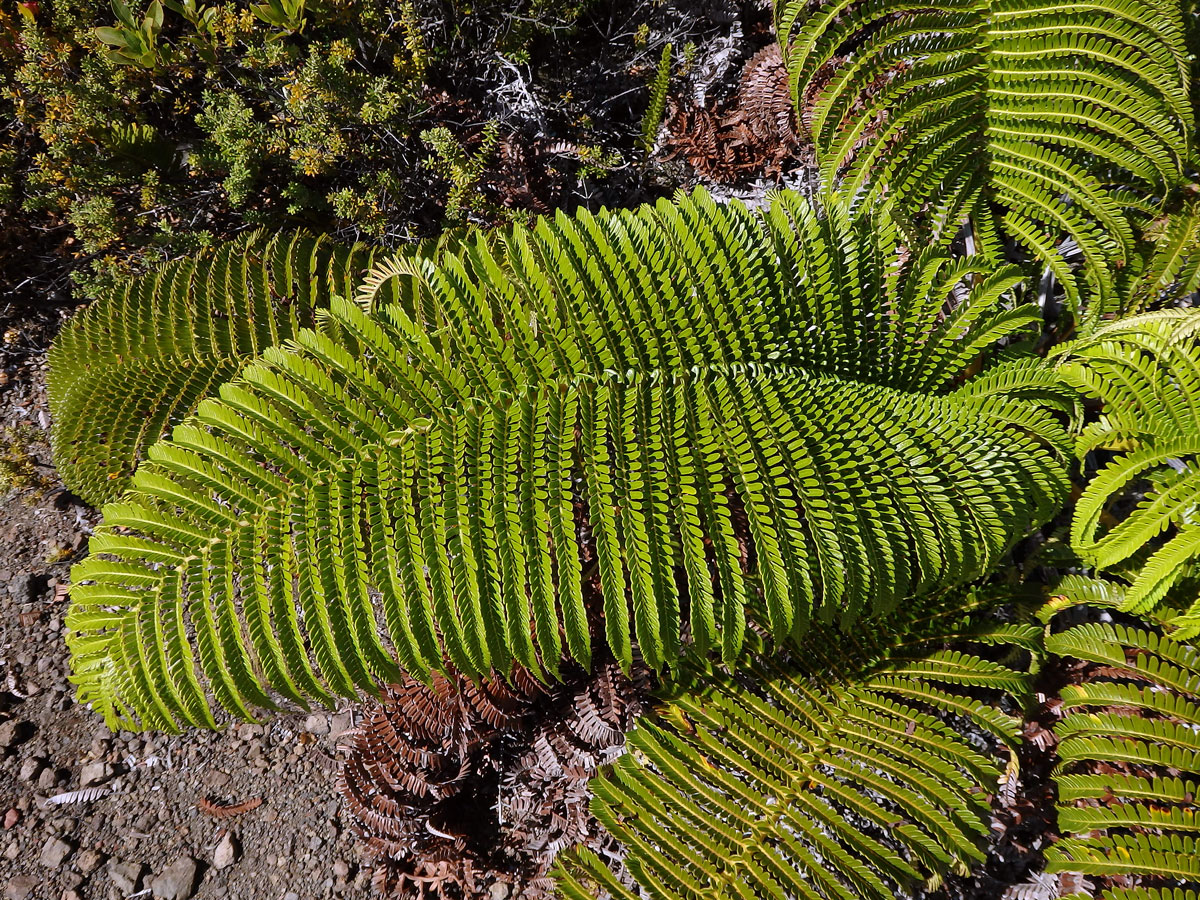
753,132
459,785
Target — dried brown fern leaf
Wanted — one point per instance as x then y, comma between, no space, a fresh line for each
752,132
461,785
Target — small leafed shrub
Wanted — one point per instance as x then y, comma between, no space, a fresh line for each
151,120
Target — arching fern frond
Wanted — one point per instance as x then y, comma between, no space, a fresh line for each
677,409
1041,120
1146,371
1129,770
840,769
137,361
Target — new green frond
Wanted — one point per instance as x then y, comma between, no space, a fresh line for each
1146,372
1047,122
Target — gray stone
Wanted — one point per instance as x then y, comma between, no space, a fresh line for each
126,876
21,887
48,779
21,588
498,891
342,722
95,773
177,881
316,724
215,778
14,732
291,895
227,852
30,768
54,852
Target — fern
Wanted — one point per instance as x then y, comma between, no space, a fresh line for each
1146,371
138,361
653,118
683,401
1168,268
1129,769
837,770
1038,120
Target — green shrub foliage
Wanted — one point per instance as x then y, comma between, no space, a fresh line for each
683,400
145,123
837,769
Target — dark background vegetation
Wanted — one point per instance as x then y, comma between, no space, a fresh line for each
366,118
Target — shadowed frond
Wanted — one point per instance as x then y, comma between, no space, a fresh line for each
1168,267
1040,120
840,769
139,360
1129,770
1146,371
679,408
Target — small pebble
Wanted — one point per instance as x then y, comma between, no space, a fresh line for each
227,852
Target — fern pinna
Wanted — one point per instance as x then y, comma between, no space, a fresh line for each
838,769
1145,370
1129,762
138,360
686,402
1039,120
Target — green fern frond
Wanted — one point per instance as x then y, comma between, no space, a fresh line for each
139,360
836,770
1041,120
1168,267
684,401
1129,763
653,119
1146,371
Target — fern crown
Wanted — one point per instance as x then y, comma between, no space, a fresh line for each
449,481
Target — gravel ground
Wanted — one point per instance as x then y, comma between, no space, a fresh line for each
144,835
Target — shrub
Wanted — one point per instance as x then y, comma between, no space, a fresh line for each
183,117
